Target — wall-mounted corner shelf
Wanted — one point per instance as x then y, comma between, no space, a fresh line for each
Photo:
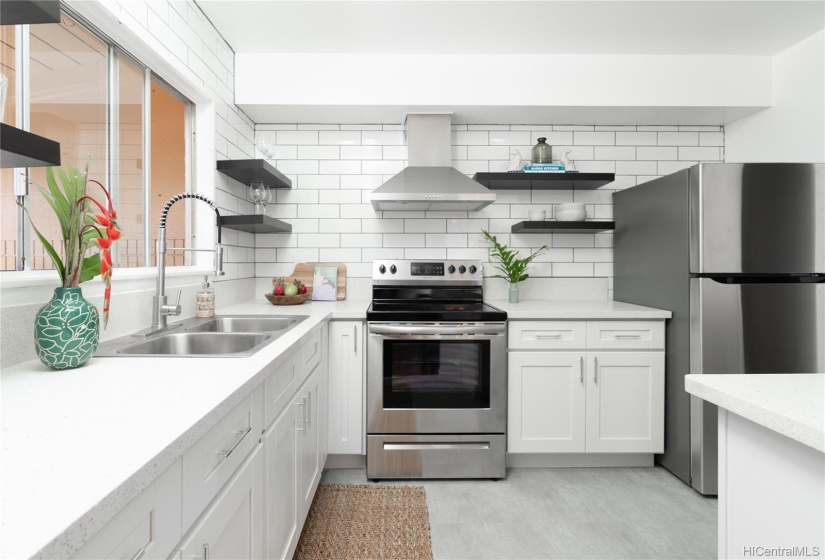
256,223
562,227
248,170
543,181
24,149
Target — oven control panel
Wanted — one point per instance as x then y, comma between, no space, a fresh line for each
419,270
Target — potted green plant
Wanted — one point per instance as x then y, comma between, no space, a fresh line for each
67,329
513,269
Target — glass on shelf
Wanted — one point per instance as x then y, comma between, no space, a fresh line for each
541,152
260,195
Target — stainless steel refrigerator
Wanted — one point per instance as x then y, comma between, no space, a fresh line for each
737,253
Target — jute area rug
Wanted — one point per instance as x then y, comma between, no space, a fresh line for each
366,522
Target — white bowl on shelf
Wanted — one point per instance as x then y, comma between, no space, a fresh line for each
570,206
571,215
537,215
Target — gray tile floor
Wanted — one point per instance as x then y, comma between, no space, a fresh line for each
565,513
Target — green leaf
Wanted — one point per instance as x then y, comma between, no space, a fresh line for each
58,262
91,268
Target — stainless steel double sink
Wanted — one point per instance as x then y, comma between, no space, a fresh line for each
220,336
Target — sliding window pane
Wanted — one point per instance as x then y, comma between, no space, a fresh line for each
169,169
8,209
69,68
130,165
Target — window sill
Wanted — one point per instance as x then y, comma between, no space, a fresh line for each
36,286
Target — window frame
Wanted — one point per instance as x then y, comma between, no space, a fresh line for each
30,286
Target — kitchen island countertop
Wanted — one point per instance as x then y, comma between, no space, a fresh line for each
792,404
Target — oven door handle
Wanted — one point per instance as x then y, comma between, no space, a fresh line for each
458,329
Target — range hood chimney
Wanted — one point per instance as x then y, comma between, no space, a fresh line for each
430,182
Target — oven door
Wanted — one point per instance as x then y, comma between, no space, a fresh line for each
442,378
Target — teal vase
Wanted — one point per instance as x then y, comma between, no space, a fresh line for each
66,330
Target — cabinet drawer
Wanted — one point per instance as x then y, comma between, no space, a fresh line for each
147,528
212,460
625,335
547,335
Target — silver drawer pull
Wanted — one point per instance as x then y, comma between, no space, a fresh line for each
552,336
581,370
413,446
303,421
139,554
620,336
206,551
235,445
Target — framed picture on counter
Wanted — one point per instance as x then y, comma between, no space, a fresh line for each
324,283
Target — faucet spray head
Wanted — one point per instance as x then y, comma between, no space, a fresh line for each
218,260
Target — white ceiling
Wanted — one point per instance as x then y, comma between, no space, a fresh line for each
668,27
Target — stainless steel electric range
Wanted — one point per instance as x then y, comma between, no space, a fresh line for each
436,373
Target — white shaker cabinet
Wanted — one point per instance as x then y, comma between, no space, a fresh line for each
346,387
568,394
546,402
625,402
281,481
232,526
309,440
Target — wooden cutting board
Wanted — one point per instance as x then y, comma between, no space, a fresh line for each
306,271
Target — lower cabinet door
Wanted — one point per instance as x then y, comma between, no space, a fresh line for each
346,387
232,525
625,402
546,402
309,441
282,526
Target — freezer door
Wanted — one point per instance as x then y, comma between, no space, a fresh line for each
761,218
748,328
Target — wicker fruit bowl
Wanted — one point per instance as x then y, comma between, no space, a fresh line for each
289,300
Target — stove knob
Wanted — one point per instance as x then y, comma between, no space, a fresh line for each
462,269
382,269
393,269
473,270
451,269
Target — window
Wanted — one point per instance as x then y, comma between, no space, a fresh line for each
69,84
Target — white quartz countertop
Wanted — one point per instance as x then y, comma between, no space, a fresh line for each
78,445
792,404
578,309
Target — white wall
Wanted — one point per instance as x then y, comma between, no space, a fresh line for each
335,167
793,128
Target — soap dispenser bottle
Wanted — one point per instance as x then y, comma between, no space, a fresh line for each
205,300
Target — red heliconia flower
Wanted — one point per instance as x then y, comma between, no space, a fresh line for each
108,219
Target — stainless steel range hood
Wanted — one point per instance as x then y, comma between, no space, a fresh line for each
430,183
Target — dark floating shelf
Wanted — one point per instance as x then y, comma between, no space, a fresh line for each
562,227
249,170
24,149
30,11
256,223
547,181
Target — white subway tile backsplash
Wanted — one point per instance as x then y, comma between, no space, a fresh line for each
339,167
297,137
318,127
615,152
430,225
339,226
508,138
488,152
340,138
382,138
318,211
711,138
678,138
658,153
318,152
319,240
471,138
376,167
335,171
706,153
361,152
594,138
